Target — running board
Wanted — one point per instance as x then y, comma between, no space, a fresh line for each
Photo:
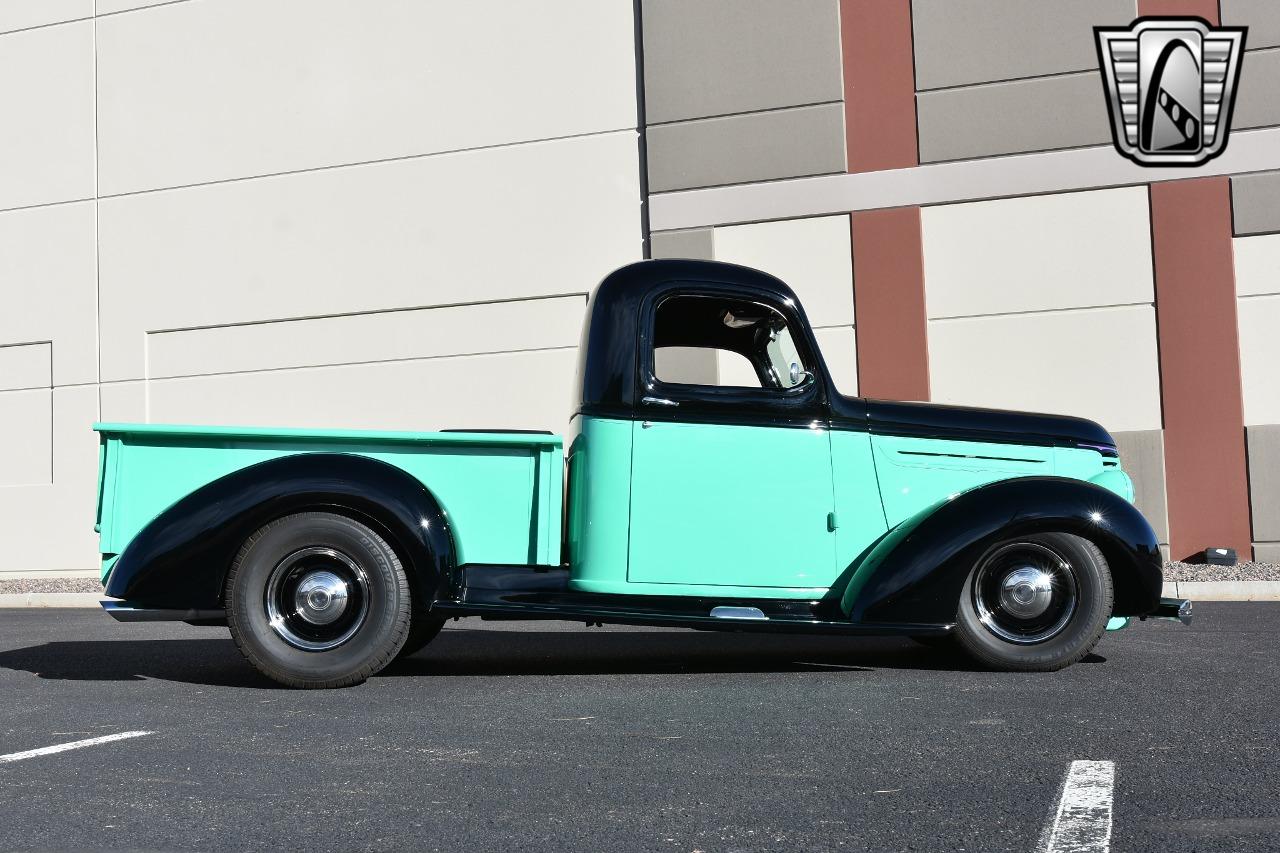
123,611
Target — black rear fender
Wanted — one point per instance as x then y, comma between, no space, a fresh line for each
916,571
181,558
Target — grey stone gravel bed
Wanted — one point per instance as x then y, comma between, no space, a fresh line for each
23,585
1172,572
1238,572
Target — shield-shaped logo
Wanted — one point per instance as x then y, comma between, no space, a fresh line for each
1170,83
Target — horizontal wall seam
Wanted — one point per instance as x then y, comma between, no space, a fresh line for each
357,164
762,111
1007,176
1258,295
4,33
39,205
366,313
336,364
1061,310
979,83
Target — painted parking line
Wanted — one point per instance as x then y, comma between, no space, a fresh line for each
1082,823
64,747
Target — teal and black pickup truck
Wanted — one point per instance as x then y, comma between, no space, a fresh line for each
772,504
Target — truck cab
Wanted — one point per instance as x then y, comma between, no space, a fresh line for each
716,479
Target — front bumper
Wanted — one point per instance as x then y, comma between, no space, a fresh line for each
1172,608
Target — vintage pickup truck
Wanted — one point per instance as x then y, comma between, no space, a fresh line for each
771,504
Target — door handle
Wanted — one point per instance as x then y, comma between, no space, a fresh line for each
658,401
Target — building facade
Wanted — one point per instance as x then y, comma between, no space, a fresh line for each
388,215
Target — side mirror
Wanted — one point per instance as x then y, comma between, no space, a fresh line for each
798,375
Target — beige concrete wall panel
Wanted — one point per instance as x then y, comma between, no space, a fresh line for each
26,437
695,243
111,7
124,402
380,336
1255,202
753,147
49,286
1257,264
1037,114
195,92
1258,101
839,347
1142,456
1072,250
813,256
1259,318
1264,480
686,365
528,390
715,57
46,100
22,14
414,233
1262,17
960,43
1098,363
49,527
25,366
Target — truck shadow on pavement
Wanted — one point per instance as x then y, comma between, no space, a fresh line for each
476,652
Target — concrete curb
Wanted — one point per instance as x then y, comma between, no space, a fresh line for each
1223,590
52,599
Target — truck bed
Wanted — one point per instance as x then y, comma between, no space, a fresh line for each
502,491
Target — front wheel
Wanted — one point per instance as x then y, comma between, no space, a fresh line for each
317,599
1036,603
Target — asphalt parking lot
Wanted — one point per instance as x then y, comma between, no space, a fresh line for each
554,736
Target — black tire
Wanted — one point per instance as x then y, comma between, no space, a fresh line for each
423,630
318,566
1074,587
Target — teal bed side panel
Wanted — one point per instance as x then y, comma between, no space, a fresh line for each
716,505
600,503
859,518
501,492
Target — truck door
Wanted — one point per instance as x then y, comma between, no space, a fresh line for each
731,481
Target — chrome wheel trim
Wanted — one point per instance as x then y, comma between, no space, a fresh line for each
1025,592
316,598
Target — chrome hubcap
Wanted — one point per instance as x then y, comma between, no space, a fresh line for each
316,599
1025,592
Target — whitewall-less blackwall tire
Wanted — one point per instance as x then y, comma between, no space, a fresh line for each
318,600
1035,603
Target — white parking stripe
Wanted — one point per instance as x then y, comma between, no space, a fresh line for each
1083,821
75,744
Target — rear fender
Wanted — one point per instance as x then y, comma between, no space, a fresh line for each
916,571
181,558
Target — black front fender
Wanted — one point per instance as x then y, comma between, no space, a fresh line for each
915,573
181,558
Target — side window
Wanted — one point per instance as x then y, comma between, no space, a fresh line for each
707,340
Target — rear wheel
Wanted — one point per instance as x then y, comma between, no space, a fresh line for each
317,599
1035,603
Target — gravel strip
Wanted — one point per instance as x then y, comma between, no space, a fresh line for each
1238,572
24,585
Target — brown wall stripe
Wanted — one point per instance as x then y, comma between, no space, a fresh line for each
880,133
1207,9
1204,439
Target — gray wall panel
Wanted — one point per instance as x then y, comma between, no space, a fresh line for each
1142,455
1258,101
959,43
1264,481
694,243
1005,118
1255,203
1262,17
1266,552
752,147
716,57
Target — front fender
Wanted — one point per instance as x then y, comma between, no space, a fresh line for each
181,558
915,573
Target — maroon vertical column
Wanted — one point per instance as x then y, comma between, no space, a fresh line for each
888,265
1206,476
